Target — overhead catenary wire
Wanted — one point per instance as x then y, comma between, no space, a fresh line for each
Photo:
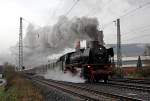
139,36
55,11
142,28
134,10
67,13
128,13
128,38
107,3
30,22
124,36
139,29
135,38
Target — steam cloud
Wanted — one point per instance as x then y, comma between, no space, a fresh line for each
60,76
39,43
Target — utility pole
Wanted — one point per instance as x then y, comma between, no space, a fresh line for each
20,46
119,55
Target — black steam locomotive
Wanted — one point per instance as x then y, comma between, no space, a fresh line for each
92,64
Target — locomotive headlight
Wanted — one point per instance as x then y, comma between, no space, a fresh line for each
89,66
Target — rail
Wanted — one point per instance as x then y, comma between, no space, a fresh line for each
84,92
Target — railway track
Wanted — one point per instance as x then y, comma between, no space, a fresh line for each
83,95
130,93
129,80
87,92
129,85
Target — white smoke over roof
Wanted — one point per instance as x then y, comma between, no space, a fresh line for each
42,43
54,57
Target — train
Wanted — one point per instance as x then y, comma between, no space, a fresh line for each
93,63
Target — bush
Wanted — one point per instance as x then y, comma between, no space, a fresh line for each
141,73
9,74
144,72
117,73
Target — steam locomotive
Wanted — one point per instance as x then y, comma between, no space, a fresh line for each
92,64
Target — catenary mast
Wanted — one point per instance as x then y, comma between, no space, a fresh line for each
20,47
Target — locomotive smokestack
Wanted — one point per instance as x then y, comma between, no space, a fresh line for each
93,44
77,46
100,37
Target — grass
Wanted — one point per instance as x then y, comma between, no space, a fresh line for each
1,92
19,89
10,95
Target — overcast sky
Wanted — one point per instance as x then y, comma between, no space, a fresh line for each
46,12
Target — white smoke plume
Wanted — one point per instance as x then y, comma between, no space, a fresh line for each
40,43
60,76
